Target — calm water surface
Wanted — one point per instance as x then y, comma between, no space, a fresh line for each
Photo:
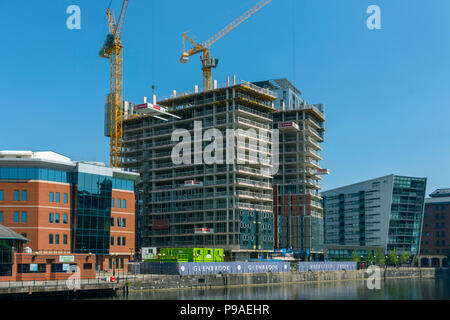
393,289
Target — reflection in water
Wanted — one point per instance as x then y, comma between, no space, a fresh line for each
393,289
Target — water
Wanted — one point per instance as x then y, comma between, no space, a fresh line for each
391,289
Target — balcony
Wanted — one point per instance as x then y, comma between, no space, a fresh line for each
257,125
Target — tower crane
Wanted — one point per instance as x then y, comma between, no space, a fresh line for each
113,49
208,62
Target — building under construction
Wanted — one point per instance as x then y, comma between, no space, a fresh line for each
227,205
247,207
298,210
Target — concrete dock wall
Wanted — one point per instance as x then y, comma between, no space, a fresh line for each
165,282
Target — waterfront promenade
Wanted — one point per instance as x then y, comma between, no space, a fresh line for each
133,282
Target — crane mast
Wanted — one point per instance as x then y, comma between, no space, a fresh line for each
113,50
208,62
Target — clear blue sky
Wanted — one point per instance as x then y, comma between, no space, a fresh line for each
386,92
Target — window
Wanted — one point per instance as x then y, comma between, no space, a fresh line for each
24,216
56,217
87,266
112,202
121,263
64,238
124,203
124,242
2,195
31,268
51,197
124,222
1,217
50,217
442,224
65,218
50,238
118,222
112,222
24,195
57,197
16,195
119,203
61,267
56,238
16,216
118,241
66,198
112,241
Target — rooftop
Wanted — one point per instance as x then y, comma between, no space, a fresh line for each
8,234
53,160
277,84
42,155
439,193
262,93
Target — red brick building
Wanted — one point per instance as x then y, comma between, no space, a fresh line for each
20,264
85,210
435,235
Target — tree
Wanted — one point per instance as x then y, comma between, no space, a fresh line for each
392,258
404,258
355,256
379,256
370,258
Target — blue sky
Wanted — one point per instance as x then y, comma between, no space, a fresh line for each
386,92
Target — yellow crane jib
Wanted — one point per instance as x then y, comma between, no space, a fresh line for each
208,62
113,49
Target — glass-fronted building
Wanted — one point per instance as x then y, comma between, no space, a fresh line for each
385,212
